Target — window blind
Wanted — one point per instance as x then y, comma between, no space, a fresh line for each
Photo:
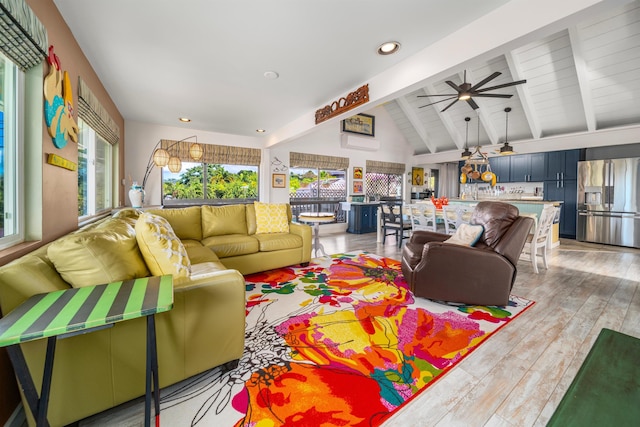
374,166
23,38
95,115
303,160
214,154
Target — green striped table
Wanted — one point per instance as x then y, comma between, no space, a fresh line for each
69,312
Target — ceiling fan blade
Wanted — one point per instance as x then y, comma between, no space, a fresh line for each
491,95
444,94
453,85
442,100
472,103
485,81
447,107
519,82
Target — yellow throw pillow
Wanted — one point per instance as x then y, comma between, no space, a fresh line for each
105,254
271,218
163,252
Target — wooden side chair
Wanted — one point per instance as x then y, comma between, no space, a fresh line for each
393,222
423,217
540,239
455,215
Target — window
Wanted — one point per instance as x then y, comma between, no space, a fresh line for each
11,170
317,190
94,172
231,183
383,185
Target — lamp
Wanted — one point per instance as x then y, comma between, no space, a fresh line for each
476,157
164,157
466,153
196,151
506,149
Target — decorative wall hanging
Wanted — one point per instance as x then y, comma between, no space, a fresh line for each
278,180
358,187
58,103
278,165
352,100
417,176
357,172
55,160
362,124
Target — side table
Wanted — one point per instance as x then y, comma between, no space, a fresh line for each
316,218
75,311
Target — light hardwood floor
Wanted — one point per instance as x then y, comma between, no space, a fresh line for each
519,375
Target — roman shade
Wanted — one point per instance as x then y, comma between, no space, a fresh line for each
23,38
374,166
95,115
303,160
214,154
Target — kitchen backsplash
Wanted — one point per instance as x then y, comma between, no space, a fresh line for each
507,190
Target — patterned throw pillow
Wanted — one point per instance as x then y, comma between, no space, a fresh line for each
271,218
466,235
163,252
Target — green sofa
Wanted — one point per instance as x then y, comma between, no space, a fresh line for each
205,329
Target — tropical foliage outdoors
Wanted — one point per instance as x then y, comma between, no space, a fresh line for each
222,183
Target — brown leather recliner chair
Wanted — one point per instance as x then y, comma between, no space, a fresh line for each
479,275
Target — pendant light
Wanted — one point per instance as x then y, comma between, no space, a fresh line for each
506,149
466,153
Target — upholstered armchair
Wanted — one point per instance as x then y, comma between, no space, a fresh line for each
480,275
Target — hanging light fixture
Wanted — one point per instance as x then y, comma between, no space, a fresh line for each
506,149
196,151
466,153
175,164
477,157
161,157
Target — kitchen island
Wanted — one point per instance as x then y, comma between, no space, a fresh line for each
525,207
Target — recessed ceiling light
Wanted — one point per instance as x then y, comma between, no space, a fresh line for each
184,119
260,130
271,75
388,48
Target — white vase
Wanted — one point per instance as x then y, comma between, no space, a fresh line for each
136,196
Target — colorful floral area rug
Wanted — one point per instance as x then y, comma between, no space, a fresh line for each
342,342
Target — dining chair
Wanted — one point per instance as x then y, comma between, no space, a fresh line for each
455,215
423,217
540,238
393,222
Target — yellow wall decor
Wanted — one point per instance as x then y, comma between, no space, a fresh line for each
58,103
55,160
417,176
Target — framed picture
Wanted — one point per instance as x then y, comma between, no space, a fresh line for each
417,176
357,172
362,124
278,180
358,187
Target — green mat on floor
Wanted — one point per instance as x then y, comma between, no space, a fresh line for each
606,389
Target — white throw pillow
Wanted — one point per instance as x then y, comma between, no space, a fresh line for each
466,235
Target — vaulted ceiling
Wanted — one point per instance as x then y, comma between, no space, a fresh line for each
206,60
579,79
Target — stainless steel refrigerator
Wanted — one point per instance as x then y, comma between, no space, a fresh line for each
609,202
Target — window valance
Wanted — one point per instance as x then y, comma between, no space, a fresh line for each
91,111
23,38
214,154
374,166
303,160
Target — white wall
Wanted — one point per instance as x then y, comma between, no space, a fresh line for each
326,141
141,140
